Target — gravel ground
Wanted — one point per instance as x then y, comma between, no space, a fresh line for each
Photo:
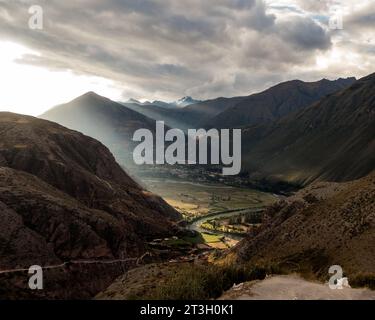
292,287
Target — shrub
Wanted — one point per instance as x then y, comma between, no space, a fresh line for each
202,282
363,280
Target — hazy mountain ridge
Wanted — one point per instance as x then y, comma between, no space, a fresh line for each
182,114
200,113
103,119
171,116
266,106
180,103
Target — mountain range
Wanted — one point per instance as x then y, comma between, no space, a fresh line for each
279,125
180,103
266,106
330,140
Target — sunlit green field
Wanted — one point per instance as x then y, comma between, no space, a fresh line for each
193,199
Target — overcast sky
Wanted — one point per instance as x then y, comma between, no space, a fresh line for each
166,49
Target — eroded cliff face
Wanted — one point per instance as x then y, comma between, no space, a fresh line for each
63,198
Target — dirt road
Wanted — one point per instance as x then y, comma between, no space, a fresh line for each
292,287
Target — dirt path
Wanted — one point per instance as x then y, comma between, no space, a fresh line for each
292,287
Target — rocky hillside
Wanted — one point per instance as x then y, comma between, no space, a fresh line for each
322,225
63,197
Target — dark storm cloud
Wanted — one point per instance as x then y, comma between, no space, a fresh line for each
166,48
305,34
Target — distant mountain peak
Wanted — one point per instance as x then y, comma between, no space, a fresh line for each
185,101
90,96
135,101
159,102
180,103
186,98
348,79
131,100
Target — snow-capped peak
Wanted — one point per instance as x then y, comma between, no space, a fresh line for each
185,101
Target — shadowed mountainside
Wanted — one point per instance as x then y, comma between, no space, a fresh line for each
276,102
331,140
198,114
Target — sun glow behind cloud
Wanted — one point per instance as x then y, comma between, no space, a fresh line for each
32,90
165,49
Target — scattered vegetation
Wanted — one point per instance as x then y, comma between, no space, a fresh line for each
238,223
201,282
198,238
363,280
211,238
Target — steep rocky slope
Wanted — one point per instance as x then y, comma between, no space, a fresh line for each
63,198
322,225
